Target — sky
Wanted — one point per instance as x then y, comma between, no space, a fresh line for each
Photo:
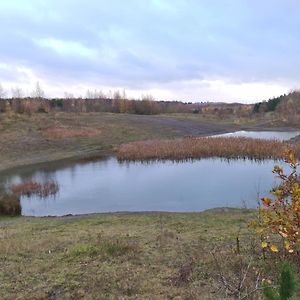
192,50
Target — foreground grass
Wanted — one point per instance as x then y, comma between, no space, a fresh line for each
110,256
190,148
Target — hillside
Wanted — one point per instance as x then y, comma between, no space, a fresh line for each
284,105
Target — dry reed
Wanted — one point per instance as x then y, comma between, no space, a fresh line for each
204,147
34,188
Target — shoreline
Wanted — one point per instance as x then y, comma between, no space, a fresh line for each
85,156
78,217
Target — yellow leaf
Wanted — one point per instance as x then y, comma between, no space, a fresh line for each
264,244
266,201
274,248
260,231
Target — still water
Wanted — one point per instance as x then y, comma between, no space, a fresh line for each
268,135
110,186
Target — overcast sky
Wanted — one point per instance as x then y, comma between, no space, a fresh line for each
192,50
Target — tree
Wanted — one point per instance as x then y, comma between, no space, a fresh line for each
287,285
68,95
38,92
17,93
2,92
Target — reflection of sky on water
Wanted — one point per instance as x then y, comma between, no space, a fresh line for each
278,135
107,185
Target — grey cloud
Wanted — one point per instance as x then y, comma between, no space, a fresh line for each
241,41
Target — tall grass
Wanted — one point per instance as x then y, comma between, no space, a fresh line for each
10,205
204,147
34,188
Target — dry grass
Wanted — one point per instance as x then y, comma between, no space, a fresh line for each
26,141
204,147
68,132
115,256
129,256
35,188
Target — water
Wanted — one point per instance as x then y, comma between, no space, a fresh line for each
109,186
278,135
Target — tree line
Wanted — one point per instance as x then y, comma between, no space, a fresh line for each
114,102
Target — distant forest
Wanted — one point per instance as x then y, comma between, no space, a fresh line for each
284,104
118,103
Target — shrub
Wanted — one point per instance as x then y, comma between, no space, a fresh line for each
287,285
278,222
10,205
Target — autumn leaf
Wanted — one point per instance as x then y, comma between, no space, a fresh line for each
264,244
266,201
274,248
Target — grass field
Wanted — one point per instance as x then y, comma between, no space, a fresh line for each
54,136
48,137
122,256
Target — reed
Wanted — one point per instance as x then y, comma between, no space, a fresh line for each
10,205
34,188
204,147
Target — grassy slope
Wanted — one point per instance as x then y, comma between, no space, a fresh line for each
111,256
23,139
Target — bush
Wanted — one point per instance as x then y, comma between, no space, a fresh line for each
287,285
10,205
278,221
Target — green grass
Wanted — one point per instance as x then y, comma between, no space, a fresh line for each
110,256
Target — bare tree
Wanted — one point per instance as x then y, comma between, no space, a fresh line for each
17,93
89,94
148,97
2,92
38,92
68,95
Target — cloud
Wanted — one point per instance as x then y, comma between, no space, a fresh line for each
221,50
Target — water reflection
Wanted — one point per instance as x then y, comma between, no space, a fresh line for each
269,135
106,185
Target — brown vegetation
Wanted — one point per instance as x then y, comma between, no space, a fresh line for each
34,188
203,147
10,205
65,132
121,104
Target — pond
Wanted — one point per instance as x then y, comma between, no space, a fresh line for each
278,135
110,186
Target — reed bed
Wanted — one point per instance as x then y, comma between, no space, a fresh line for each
42,190
204,147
